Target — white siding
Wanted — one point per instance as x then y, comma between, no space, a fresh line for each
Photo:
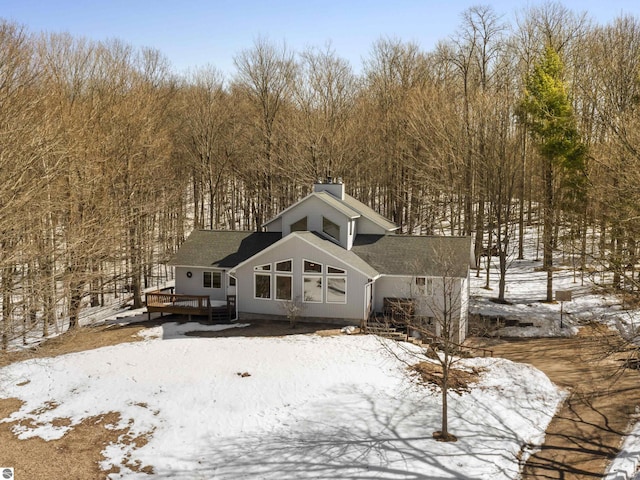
427,305
314,209
299,250
387,286
464,312
352,232
194,285
274,226
367,227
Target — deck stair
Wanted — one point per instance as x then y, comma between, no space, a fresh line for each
387,330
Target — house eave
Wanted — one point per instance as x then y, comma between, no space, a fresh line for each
324,197
300,236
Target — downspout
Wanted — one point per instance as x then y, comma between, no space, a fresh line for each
363,326
236,294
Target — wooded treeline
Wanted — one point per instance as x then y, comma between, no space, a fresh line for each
108,159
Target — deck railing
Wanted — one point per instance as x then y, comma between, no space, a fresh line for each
166,300
169,302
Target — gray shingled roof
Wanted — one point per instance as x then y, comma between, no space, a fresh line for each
221,249
369,213
338,204
415,255
371,254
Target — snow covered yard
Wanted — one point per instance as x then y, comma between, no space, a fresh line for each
526,290
301,406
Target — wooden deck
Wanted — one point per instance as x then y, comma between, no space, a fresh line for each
167,302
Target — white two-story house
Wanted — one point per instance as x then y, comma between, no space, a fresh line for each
333,257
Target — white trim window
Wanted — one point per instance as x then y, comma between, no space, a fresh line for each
312,282
284,287
285,266
212,279
299,225
263,268
312,288
312,267
262,286
336,289
424,285
330,228
284,283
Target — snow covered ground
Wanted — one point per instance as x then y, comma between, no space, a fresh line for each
626,466
301,406
526,290
309,406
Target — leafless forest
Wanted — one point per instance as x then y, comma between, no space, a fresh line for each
108,159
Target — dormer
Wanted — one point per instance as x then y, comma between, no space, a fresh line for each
331,213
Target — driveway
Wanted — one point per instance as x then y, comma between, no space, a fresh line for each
586,433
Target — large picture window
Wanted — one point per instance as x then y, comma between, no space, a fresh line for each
262,285
283,287
330,228
336,290
312,289
212,279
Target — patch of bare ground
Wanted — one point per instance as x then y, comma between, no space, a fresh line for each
587,431
274,328
78,340
460,381
77,455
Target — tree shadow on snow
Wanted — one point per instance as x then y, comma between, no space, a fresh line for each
371,436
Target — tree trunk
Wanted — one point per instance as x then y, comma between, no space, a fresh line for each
6,281
547,234
445,406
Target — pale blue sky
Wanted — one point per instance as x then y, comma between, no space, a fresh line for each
197,32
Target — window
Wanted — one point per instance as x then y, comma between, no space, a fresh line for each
232,281
283,287
330,228
312,289
336,290
263,268
300,225
312,267
212,280
424,285
262,285
285,266
335,271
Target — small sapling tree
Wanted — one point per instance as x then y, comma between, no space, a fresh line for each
437,315
292,308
